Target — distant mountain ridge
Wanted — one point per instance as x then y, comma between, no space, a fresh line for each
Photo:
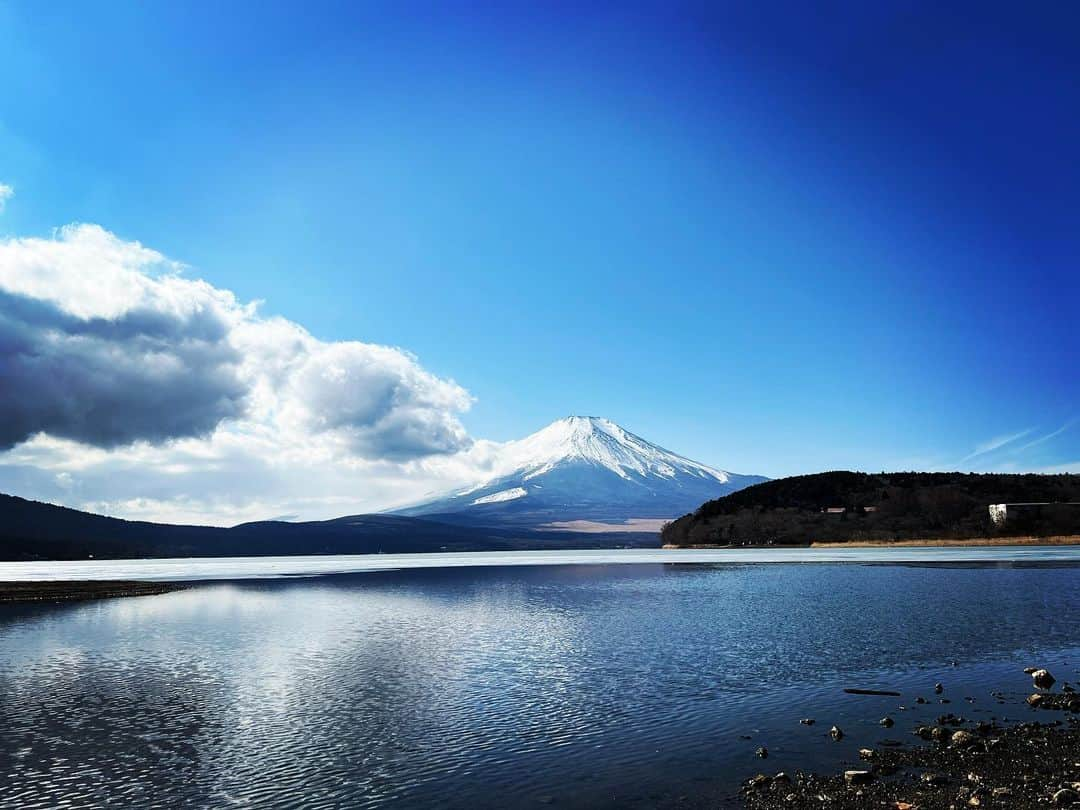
30,530
583,468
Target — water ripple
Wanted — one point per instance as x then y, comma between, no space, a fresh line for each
591,686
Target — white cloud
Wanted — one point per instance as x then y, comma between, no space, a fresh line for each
1057,469
6,193
135,390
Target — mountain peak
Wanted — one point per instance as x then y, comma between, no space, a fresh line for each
585,467
583,425
599,441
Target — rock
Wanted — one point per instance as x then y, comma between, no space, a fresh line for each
1034,700
1043,679
963,739
807,721
886,721
781,779
758,782
836,733
920,700
1001,792
762,752
1065,797
938,688
935,779
1030,670
1074,706
866,753
858,777
940,734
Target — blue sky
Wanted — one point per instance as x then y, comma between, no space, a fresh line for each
774,237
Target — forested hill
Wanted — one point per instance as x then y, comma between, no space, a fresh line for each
885,506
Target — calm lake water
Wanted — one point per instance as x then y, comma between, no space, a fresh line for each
568,686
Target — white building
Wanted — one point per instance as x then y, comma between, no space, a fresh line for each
1001,512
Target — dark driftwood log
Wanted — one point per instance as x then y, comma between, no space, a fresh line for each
872,692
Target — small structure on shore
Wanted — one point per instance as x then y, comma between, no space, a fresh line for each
1001,513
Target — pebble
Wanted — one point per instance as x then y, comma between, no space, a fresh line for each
858,777
963,739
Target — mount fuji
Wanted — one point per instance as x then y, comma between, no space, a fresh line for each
583,469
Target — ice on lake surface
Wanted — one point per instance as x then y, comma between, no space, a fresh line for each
268,567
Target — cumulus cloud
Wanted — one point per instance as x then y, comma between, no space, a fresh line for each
77,364
379,400
6,193
111,358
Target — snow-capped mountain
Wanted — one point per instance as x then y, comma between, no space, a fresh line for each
584,468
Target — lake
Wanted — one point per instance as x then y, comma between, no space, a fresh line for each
509,685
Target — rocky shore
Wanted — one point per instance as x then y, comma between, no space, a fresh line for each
80,590
951,764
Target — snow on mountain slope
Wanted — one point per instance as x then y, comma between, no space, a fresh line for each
602,442
584,468
505,495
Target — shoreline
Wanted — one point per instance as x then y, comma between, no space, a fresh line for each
922,542
960,763
81,590
1052,540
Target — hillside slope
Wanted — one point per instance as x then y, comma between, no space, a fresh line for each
886,506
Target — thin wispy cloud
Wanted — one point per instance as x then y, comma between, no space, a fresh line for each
996,443
6,193
1012,454
1047,437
